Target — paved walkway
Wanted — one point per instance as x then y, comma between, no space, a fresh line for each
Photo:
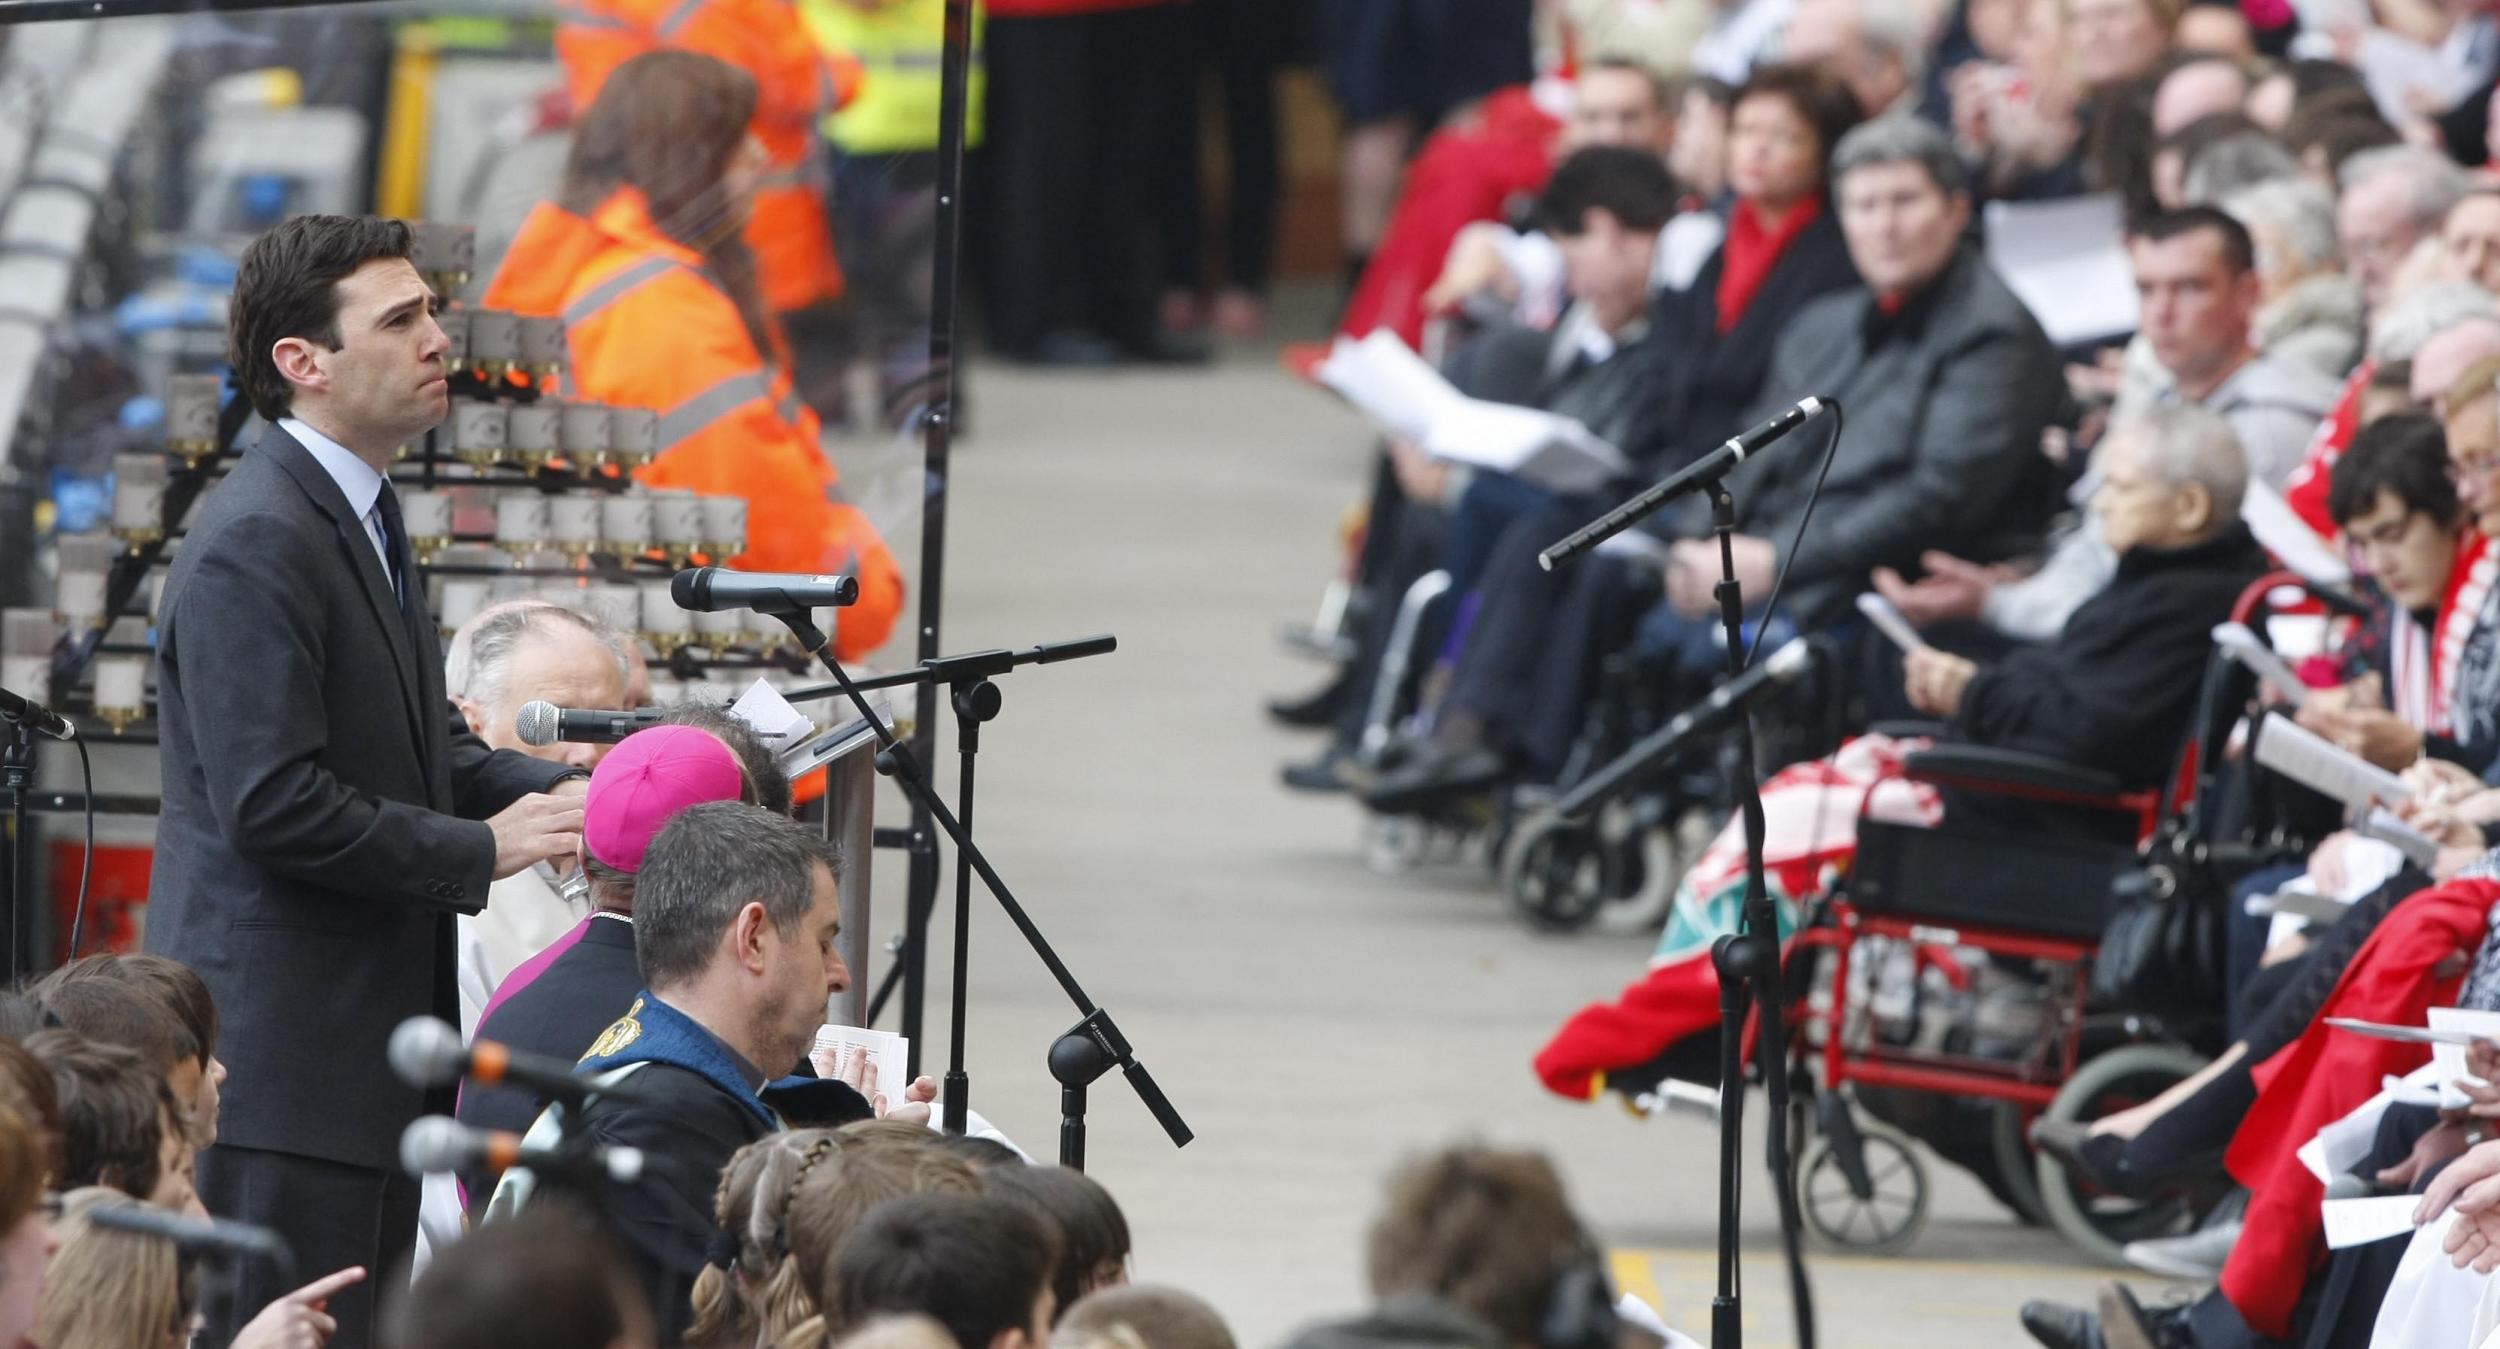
1314,1021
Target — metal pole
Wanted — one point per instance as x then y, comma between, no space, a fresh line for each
937,436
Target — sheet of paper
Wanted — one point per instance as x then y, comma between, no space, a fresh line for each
1888,621
2067,261
1402,394
2449,1059
2245,646
2293,543
771,717
2357,1222
889,1057
2307,758
2382,824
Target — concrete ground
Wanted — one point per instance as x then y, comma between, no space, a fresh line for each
1313,1020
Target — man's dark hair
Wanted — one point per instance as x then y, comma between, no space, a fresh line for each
2312,76
2405,455
545,1280
1093,1233
173,985
2239,252
1817,95
977,1265
288,286
119,1012
114,1112
26,1087
2338,132
706,864
1630,184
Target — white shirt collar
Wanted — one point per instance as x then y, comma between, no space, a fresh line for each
356,479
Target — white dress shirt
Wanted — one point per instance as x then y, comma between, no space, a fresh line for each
356,479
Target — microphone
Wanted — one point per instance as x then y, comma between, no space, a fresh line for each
35,717
1781,667
709,589
214,1235
426,1052
540,722
438,1144
1708,469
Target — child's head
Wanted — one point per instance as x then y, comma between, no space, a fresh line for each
156,1006
751,1291
1141,1316
981,1267
120,1125
872,1167
1093,1233
110,1289
1486,1230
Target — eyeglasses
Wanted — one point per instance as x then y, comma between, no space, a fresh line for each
2480,470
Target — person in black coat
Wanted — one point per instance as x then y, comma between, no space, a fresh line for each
325,815
2117,688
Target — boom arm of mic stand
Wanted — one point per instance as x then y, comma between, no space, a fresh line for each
906,771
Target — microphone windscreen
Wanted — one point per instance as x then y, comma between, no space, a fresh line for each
432,1145
691,588
426,1052
536,722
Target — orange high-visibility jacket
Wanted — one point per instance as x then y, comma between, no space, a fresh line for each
648,327
797,84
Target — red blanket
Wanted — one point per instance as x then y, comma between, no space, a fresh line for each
2325,1075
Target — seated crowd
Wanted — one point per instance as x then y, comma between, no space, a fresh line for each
2311,384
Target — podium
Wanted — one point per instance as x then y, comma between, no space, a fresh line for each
847,751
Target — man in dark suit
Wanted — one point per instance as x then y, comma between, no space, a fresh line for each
324,818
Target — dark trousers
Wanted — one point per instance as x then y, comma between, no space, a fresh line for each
331,1215
1242,42
1072,108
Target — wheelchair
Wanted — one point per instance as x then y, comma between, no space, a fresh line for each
1928,1014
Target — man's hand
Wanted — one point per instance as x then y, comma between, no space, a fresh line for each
1935,681
2440,1144
914,1108
1951,590
1474,267
1693,572
2383,738
301,1319
534,829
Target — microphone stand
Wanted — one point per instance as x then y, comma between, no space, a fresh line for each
17,777
1748,959
966,675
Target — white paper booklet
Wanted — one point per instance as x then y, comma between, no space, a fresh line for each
2066,260
2449,1058
2292,750
1386,381
1889,621
2250,650
771,717
2382,824
889,1057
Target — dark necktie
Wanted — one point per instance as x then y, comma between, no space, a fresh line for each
394,542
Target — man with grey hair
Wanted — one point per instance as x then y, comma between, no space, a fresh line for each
2117,686
2308,311
2393,198
507,655
735,914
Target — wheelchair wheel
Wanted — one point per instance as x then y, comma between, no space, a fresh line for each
2102,1224
1554,873
2015,1177
1879,1211
1395,844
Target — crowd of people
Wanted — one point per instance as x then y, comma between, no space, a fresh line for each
1843,199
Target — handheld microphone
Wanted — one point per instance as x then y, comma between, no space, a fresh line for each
710,589
1783,666
35,717
426,1052
439,1144
1701,472
540,722
213,1235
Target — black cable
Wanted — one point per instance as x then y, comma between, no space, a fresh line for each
86,864
1779,580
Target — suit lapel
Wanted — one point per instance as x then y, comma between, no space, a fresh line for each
317,484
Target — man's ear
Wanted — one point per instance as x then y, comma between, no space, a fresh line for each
299,361
1013,1339
746,935
2196,509
471,713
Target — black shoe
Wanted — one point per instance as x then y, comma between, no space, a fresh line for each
2105,1161
1436,774
2125,1324
1066,349
1334,770
1167,348
1311,710
2059,1326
